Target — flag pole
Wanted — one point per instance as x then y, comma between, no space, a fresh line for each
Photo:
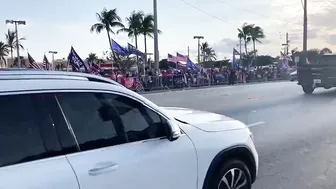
67,67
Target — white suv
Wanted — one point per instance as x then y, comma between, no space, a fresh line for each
63,130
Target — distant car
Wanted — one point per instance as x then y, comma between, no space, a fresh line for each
293,76
72,130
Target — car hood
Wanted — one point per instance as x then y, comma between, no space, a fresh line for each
206,121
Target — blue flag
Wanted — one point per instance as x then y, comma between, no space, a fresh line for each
191,65
119,49
134,50
234,61
75,60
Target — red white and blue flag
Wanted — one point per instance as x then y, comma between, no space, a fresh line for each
181,58
172,58
46,65
32,63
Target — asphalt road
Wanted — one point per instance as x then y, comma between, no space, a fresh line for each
295,134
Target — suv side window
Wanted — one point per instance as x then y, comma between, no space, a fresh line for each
26,132
83,113
139,122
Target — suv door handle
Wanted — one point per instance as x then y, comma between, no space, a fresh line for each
103,167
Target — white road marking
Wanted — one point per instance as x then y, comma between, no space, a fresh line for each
255,124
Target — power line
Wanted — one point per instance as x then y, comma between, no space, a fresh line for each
253,12
247,10
215,17
207,13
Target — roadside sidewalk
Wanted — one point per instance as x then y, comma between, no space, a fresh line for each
211,86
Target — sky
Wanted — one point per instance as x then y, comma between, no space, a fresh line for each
58,25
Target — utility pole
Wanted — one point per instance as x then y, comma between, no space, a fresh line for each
188,51
286,44
52,58
156,36
199,45
16,23
305,30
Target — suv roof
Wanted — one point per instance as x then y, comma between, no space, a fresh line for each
19,74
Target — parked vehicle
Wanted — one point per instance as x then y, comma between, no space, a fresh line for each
293,76
64,130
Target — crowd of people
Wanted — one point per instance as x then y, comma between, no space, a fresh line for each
173,78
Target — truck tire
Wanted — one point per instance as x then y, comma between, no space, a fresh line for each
307,89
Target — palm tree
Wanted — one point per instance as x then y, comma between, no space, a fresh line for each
134,22
204,46
12,42
3,52
93,57
243,33
147,29
256,33
107,20
209,54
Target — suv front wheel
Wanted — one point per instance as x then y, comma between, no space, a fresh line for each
234,174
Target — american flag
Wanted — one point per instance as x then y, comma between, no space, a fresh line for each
33,64
181,57
172,58
46,64
94,68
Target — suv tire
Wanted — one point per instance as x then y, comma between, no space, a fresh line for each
238,169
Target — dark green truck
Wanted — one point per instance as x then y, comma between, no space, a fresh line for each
321,73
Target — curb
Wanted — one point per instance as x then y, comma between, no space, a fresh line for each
206,87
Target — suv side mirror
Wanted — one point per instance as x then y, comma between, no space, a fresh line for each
174,131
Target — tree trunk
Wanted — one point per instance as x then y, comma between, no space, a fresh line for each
12,58
245,47
110,42
149,65
254,52
136,46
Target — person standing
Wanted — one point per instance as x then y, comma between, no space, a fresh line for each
232,77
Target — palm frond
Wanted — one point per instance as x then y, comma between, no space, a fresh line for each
126,30
107,19
97,27
117,24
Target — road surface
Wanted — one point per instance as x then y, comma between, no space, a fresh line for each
295,134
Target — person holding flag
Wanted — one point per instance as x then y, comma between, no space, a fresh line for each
232,76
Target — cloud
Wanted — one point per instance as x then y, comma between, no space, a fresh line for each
296,36
323,20
265,41
331,39
225,45
312,33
